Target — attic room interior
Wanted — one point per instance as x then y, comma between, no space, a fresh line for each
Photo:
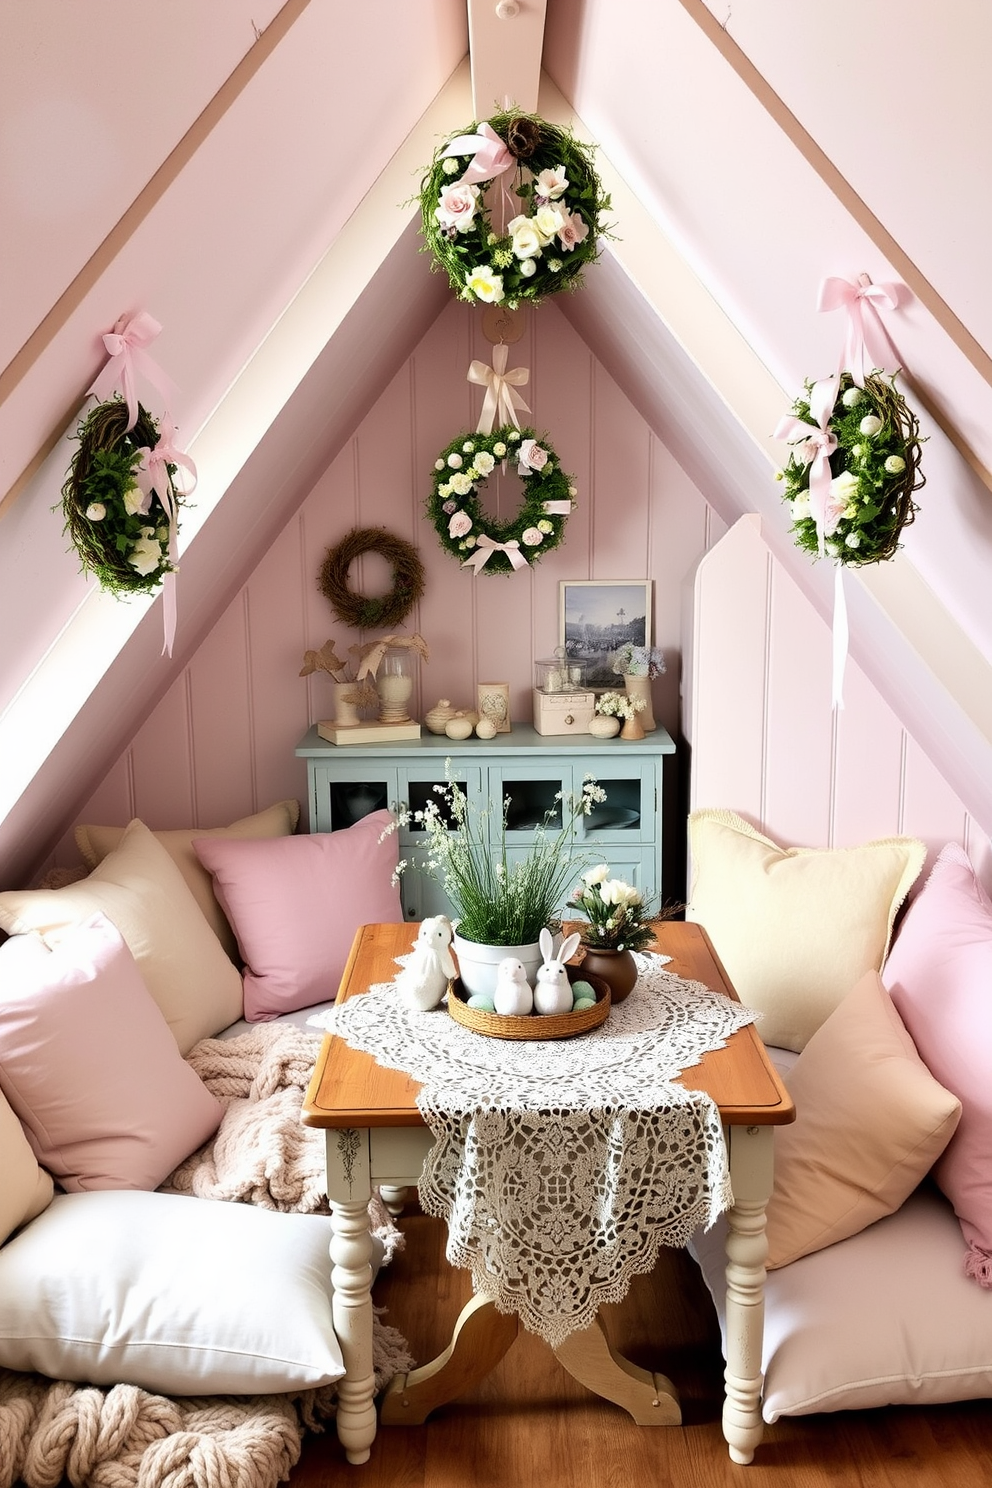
738,291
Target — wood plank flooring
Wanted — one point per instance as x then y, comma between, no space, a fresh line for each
530,1425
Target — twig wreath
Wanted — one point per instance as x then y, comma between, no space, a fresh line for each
547,214
871,439
462,527
361,611
118,499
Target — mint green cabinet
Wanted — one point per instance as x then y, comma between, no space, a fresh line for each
531,772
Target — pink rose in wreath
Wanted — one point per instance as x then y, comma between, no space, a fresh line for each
531,456
460,523
532,537
457,206
573,230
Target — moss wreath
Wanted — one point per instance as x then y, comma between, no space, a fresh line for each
875,469
467,533
538,249
120,531
358,610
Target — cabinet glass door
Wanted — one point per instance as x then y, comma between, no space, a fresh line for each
532,796
352,792
417,788
629,812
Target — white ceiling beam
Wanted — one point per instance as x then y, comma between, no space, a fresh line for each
505,42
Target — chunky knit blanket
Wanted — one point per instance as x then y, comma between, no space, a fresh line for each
124,1437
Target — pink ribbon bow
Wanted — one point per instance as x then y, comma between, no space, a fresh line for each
486,547
153,475
867,344
126,344
818,444
501,403
490,155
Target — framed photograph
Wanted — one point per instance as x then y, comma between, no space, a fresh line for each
597,616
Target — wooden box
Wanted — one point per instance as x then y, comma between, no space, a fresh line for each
563,712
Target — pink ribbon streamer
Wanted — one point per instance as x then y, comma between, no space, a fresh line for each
501,403
490,155
867,345
153,475
486,547
128,358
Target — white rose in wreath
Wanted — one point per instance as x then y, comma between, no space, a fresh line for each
547,222
146,555
484,463
524,238
461,483
484,284
552,183
457,206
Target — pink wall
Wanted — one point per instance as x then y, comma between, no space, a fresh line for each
764,739
220,744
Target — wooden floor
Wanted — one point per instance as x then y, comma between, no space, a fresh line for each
529,1425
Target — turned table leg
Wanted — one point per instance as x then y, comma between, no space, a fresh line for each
349,1190
751,1156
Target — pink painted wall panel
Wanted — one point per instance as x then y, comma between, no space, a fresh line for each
801,789
162,764
276,611
223,744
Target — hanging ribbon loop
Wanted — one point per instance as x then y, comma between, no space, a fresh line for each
490,156
501,403
867,345
128,358
486,547
152,475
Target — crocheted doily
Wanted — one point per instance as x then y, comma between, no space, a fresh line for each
562,1167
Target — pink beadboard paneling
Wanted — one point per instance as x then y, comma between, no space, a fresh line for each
799,722
278,702
162,765
931,809
730,674
221,720
868,766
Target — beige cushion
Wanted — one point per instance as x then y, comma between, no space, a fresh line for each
141,891
870,1122
281,820
795,927
25,1188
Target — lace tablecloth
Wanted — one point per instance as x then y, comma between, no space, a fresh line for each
562,1166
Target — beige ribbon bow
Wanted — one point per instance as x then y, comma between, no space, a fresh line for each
501,403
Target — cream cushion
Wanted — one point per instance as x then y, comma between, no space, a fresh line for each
281,820
870,1122
141,891
176,1295
25,1188
795,927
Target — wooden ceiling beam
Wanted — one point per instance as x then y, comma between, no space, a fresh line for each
506,42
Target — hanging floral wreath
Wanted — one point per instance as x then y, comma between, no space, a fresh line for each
864,451
120,501
541,226
464,529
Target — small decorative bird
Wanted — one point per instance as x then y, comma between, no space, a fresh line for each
429,967
513,996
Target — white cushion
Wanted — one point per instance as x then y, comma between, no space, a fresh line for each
177,1295
887,1317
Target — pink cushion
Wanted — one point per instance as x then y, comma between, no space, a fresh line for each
89,1064
939,974
295,904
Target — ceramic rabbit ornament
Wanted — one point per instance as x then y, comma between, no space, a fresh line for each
513,996
424,978
553,993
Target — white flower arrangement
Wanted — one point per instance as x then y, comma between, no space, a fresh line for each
620,705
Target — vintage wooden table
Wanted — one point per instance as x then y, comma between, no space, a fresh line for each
376,1137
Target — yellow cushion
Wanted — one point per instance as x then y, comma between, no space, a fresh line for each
141,891
795,927
870,1122
25,1188
95,843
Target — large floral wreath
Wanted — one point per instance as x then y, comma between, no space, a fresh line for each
541,226
120,500
463,528
871,439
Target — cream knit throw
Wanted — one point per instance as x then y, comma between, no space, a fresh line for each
123,1437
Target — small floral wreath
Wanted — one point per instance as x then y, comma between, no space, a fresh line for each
114,514
874,472
544,238
467,533
358,610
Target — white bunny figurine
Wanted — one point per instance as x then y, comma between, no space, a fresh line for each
553,993
425,975
513,995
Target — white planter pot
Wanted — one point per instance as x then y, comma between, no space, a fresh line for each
477,964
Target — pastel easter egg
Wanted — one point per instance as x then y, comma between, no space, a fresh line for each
480,1001
582,989
582,1003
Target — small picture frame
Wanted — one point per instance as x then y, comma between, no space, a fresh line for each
597,616
493,702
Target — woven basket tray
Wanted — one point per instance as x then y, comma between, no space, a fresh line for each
551,1026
